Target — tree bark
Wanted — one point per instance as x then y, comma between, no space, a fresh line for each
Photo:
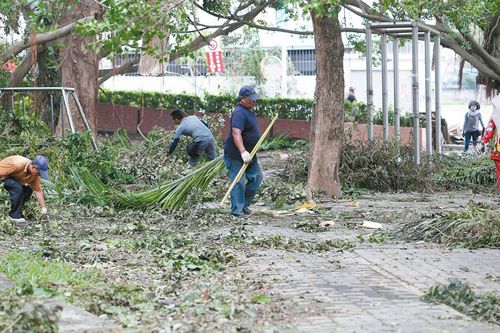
327,124
79,69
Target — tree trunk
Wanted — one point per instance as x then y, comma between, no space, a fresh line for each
327,125
79,69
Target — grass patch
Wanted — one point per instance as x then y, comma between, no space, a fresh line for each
34,275
476,226
461,297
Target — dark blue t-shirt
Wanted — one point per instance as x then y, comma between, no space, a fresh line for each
246,121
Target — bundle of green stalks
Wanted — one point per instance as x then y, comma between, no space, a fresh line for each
474,227
174,193
88,189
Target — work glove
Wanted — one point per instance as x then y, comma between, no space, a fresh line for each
245,156
44,211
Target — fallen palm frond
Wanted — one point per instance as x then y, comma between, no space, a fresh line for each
84,188
475,227
173,194
87,188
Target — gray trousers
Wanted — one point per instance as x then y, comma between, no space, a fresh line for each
205,146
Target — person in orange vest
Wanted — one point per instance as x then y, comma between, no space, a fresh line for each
21,177
493,131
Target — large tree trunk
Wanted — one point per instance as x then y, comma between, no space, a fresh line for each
327,125
79,68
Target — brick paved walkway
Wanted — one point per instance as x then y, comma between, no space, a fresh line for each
373,291
372,287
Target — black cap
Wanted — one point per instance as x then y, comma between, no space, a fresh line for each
249,92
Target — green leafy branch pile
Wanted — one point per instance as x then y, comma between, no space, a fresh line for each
460,296
476,226
374,166
472,173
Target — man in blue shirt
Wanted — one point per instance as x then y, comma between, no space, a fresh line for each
243,136
203,139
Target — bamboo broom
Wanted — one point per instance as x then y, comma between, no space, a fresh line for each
245,165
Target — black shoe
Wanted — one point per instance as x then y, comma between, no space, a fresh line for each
247,211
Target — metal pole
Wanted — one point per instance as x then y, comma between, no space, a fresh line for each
385,111
284,70
438,94
61,115
52,126
68,110
84,118
12,103
428,111
397,110
369,80
416,125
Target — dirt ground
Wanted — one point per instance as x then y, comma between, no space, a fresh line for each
280,270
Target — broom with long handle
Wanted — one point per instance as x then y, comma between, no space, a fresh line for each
245,165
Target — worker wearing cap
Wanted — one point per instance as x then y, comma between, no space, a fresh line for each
21,177
243,136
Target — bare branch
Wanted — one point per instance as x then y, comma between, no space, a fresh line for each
297,32
125,68
378,18
24,66
40,39
493,62
475,61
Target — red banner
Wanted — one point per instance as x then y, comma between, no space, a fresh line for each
214,57
214,62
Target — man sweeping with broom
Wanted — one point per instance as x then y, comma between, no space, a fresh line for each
243,136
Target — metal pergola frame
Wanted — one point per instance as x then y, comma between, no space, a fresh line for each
398,30
65,92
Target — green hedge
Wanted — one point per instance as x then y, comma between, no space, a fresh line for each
185,102
287,108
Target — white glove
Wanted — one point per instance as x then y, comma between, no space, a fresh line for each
480,147
44,211
245,156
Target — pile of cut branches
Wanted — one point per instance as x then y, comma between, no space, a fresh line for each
476,226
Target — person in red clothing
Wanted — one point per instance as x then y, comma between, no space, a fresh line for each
493,131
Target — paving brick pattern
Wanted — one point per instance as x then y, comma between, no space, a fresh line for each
372,287
367,291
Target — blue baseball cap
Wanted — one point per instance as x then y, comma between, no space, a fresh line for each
249,92
42,165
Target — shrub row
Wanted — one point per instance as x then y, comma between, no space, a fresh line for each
286,108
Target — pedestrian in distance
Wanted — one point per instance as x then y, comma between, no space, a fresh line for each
351,97
243,136
471,125
21,177
493,131
203,139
